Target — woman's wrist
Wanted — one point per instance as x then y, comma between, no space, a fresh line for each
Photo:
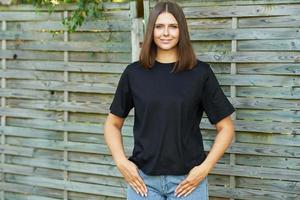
120,160
209,164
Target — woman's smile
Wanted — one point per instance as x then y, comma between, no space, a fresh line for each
166,41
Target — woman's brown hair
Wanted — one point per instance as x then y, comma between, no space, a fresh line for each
185,53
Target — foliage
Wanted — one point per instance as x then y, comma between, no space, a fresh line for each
85,9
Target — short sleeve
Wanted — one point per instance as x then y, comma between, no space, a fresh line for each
122,102
214,102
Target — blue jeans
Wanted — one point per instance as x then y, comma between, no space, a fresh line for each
162,187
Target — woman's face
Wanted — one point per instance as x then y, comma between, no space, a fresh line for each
166,31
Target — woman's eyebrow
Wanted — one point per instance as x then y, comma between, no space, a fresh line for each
167,24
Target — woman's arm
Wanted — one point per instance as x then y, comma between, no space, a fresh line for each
113,137
225,134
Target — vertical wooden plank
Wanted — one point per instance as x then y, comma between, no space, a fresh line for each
136,38
133,9
66,98
3,104
146,13
232,182
134,33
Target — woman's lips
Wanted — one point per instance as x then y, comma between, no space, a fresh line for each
165,41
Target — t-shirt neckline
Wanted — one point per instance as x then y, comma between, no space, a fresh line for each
169,63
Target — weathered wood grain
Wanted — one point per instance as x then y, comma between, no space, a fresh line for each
56,89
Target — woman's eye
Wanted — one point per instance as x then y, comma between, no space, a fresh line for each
160,26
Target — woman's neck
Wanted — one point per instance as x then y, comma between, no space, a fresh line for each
166,56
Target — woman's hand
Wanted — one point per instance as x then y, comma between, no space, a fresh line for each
195,176
130,172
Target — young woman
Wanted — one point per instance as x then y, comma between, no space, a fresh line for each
169,89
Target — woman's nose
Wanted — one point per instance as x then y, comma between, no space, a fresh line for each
166,31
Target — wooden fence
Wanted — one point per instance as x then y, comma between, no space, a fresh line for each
56,88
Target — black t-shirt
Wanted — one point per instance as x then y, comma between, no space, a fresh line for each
168,108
